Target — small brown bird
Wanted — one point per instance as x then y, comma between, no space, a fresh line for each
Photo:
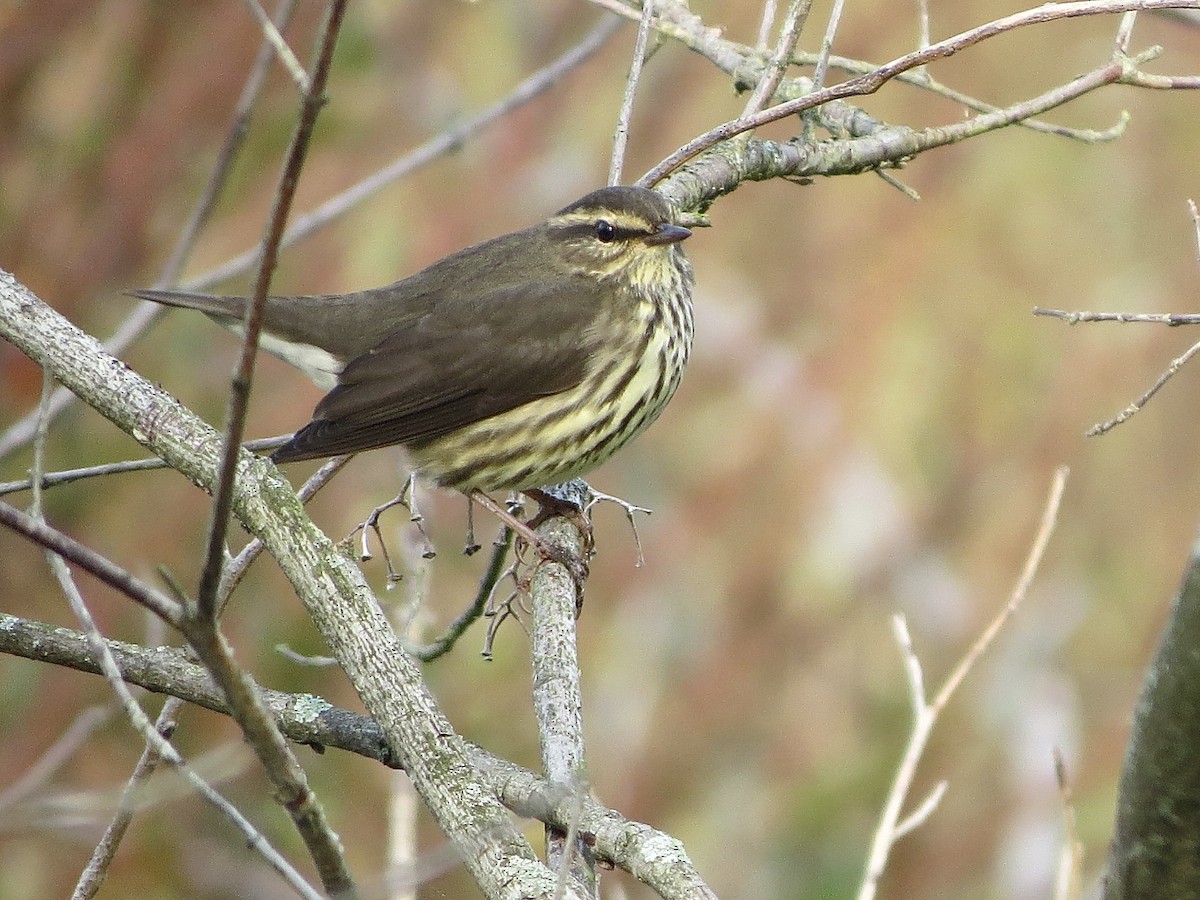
522,361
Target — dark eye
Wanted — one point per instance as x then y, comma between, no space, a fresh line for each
605,231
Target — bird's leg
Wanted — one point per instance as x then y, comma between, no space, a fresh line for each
595,496
577,567
522,529
471,547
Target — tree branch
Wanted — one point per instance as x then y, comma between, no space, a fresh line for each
331,587
651,856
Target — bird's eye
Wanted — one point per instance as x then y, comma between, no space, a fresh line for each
605,232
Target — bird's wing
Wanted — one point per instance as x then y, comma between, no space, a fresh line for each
458,364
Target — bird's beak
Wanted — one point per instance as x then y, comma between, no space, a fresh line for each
668,234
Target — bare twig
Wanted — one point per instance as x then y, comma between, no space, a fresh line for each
111,574
66,476
1195,224
1121,71
93,874
789,34
926,712
1136,406
443,644
835,19
239,389
557,695
766,24
55,756
1074,318
1124,33
276,40
621,136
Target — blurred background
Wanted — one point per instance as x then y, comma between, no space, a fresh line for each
869,425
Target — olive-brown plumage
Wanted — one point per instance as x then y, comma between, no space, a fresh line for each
522,361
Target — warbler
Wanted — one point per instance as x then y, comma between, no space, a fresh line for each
523,361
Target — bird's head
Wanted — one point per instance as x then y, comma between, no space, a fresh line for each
618,231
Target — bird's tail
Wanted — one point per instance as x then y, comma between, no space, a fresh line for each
219,307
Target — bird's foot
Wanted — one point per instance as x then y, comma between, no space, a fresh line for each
568,501
576,566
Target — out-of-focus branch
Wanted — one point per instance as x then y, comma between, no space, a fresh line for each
926,711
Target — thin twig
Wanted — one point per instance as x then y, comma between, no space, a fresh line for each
919,77
55,756
785,47
471,614
102,568
621,136
1077,316
835,19
239,389
1195,224
1032,561
766,24
66,476
93,874
272,36
1125,33
1136,406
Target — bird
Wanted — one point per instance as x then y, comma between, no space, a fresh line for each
523,361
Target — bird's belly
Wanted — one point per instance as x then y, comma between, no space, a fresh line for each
562,436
